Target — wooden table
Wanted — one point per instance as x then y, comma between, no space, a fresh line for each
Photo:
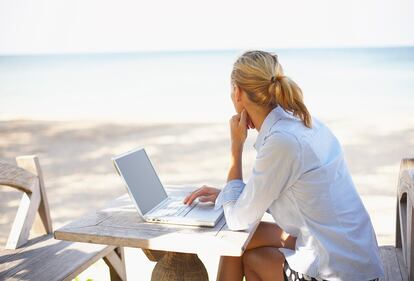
174,247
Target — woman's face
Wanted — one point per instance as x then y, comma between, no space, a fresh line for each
236,98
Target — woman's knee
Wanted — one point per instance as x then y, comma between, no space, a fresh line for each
249,258
271,235
261,257
265,263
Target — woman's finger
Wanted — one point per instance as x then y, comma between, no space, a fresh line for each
235,119
190,194
186,197
199,192
210,198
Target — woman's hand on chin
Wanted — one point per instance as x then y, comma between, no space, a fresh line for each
238,128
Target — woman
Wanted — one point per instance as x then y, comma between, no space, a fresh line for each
322,230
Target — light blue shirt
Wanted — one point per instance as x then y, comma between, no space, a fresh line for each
300,177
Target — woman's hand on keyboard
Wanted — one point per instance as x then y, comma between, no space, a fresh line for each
204,193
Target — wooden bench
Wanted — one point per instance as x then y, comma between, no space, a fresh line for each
43,257
398,261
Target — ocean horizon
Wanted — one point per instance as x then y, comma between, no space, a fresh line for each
194,86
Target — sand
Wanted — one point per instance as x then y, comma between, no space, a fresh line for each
75,157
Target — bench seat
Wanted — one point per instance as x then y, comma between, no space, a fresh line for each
393,262
45,258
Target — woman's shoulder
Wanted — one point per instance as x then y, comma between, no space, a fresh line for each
291,129
281,151
282,141
294,135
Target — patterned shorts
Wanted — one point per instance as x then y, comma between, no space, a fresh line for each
291,275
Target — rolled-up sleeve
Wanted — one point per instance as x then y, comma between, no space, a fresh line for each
276,167
229,193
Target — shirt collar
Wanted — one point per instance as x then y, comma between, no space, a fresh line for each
274,115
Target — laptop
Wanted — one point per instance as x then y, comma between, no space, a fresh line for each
151,199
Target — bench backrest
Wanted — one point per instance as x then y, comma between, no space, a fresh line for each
28,178
404,227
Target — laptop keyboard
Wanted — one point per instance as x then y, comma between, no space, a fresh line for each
174,208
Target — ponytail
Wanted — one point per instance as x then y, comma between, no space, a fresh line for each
288,95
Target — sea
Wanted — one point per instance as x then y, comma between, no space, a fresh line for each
194,86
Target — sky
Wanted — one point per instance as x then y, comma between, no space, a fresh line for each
99,26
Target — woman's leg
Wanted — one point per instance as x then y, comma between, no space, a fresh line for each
230,269
270,234
264,264
266,234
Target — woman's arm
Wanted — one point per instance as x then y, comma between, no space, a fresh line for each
238,129
235,170
277,166
238,133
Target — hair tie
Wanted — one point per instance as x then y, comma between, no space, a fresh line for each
276,78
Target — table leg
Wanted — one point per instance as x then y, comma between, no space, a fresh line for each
179,267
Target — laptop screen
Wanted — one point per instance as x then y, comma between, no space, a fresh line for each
141,178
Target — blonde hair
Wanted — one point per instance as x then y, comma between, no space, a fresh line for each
261,76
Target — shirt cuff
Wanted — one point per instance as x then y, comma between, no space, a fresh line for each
229,193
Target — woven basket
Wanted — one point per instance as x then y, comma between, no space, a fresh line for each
179,267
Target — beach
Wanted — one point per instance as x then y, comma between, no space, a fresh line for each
75,112
79,175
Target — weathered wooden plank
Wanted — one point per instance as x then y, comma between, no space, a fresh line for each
120,224
29,179
45,258
122,214
406,178
403,267
79,267
31,163
25,216
16,177
132,220
405,219
154,240
115,261
410,237
390,263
